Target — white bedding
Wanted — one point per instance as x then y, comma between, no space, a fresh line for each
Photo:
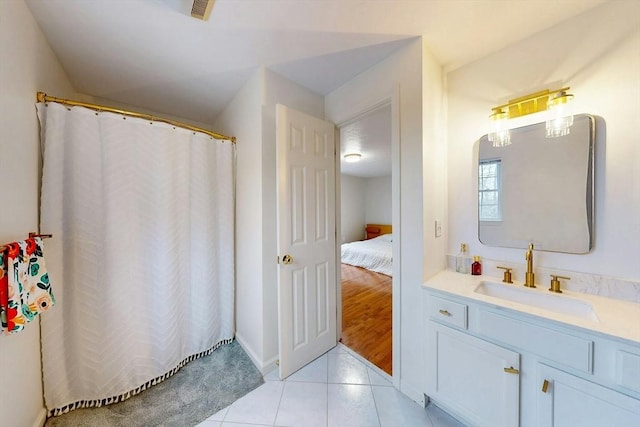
373,254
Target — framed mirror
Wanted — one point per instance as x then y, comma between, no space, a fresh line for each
538,190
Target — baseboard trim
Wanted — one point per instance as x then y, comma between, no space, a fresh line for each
263,367
412,393
247,349
41,418
270,365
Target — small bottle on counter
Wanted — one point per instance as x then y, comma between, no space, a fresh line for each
463,262
476,267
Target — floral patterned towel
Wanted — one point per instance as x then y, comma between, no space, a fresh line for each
25,290
3,291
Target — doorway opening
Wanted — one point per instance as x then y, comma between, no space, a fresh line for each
366,236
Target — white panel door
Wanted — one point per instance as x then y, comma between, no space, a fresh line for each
306,238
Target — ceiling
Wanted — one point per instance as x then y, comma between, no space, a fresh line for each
152,54
369,136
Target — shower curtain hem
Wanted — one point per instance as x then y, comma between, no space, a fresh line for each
96,403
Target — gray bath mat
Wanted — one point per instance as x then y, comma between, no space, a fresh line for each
200,389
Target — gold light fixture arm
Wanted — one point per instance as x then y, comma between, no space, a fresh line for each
528,104
42,97
201,9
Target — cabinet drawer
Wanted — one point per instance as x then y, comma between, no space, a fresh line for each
561,347
446,311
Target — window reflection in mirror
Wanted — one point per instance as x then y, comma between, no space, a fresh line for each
538,190
490,190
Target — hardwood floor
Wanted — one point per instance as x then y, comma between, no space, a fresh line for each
366,315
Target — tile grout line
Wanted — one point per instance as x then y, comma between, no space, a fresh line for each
432,418
225,413
327,384
279,402
373,396
429,416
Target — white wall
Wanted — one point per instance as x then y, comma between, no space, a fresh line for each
378,200
352,208
242,118
364,201
598,55
251,118
403,72
434,160
27,66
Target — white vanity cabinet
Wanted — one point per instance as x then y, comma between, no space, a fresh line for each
569,401
470,377
487,365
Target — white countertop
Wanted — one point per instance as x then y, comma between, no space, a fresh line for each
616,318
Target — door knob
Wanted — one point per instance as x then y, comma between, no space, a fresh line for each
287,259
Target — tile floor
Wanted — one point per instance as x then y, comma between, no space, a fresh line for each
335,390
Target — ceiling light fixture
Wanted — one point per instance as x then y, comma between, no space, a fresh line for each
556,102
352,157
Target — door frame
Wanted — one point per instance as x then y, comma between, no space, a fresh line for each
392,99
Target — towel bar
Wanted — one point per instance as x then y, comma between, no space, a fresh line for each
31,236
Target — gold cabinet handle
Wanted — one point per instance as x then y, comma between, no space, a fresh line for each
444,312
287,259
511,370
545,386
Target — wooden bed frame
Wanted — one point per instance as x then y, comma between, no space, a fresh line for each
375,230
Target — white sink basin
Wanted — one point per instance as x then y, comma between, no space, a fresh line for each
534,297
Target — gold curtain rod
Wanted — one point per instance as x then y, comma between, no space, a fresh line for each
43,97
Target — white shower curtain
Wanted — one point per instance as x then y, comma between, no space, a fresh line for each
142,254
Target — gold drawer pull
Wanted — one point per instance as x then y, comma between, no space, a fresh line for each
511,370
444,312
545,386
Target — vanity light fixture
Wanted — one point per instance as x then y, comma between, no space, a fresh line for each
560,117
500,135
352,157
555,102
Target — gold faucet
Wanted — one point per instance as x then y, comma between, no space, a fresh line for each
506,278
529,279
555,283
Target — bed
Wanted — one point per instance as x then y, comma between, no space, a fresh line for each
374,253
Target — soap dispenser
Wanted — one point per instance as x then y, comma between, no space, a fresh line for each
463,262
